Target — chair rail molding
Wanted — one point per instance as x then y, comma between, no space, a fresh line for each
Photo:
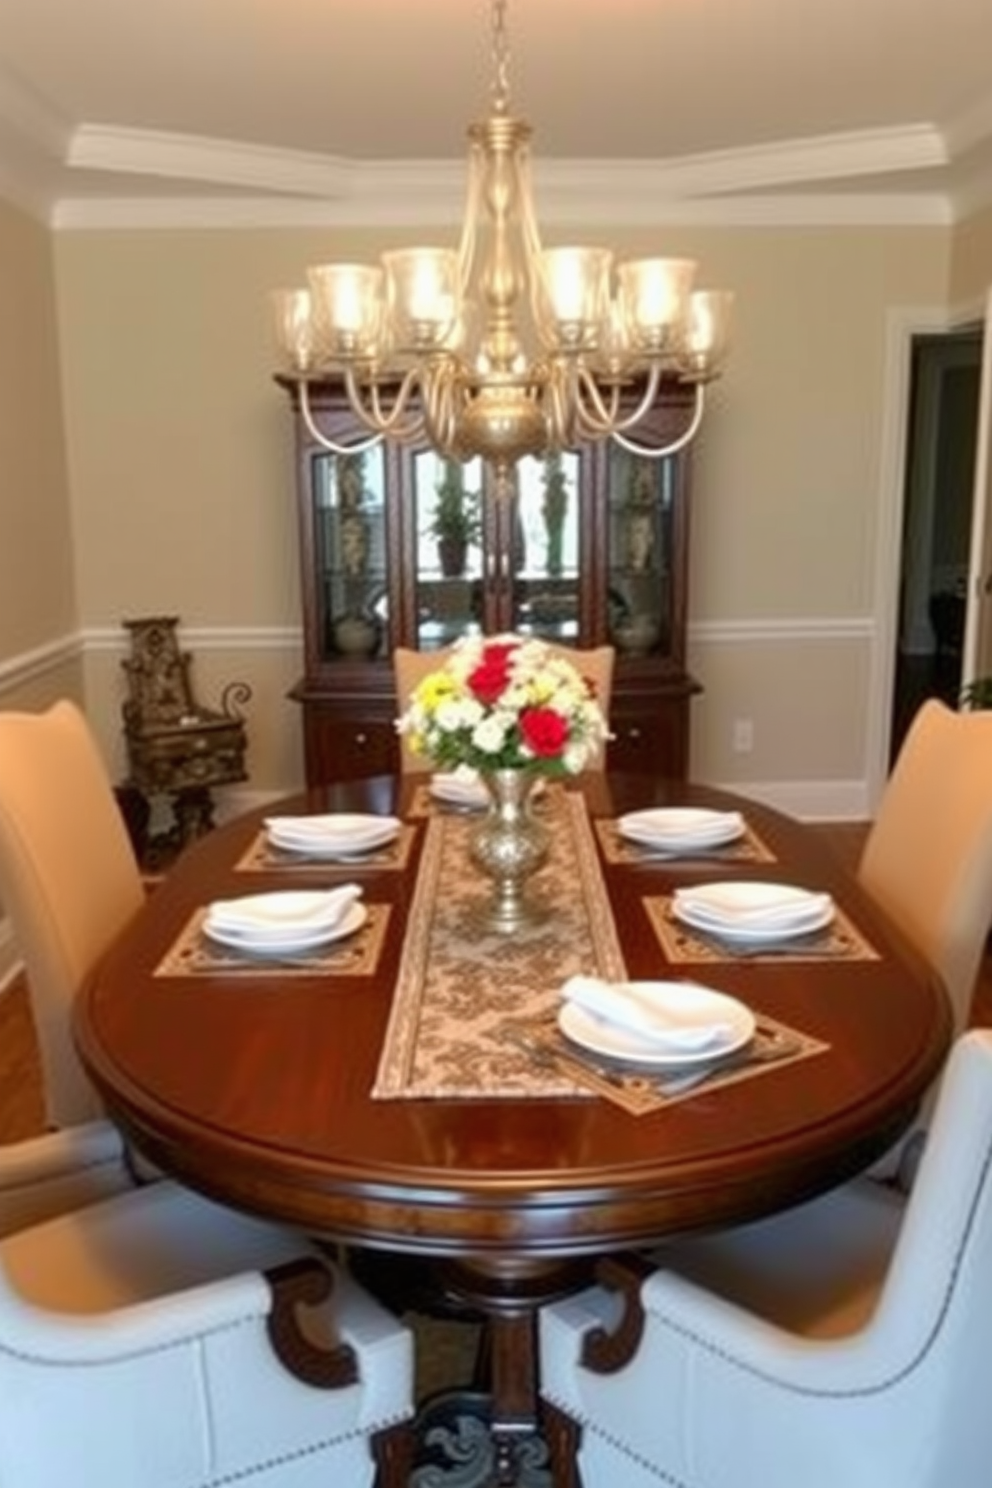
712,632
27,666
204,638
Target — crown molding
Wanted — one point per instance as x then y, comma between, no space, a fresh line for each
640,209
181,157
124,179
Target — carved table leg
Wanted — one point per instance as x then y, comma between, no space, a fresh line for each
509,1298
563,1436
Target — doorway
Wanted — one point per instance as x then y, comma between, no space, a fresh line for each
941,444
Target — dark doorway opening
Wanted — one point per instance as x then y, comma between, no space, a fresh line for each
937,513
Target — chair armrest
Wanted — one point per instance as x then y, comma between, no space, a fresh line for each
183,1318
52,1174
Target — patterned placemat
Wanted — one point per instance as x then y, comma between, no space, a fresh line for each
749,848
194,954
838,941
262,857
641,1090
462,990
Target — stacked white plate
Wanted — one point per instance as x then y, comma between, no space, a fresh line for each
662,1023
291,920
679,829
751,911
339,834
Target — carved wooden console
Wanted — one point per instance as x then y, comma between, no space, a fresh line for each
176,747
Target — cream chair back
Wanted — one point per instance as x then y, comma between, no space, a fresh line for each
69,880
927,860
410,667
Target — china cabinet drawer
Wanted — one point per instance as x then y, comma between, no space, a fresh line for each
651,742
339,746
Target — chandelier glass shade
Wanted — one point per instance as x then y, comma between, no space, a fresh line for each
502,348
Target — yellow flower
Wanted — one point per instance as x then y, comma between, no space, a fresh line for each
435,689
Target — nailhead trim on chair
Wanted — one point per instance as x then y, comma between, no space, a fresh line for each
621,1446
707,1343
894,1379
144,1353
312,1451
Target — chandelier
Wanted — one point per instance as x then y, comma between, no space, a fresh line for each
502,348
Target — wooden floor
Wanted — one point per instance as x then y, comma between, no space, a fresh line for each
21,1112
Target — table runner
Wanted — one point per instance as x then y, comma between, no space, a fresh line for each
462,992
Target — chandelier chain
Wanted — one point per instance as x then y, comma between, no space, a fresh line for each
501,59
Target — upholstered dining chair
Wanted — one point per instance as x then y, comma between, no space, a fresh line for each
410,667
846,1341
150,1337
927,862
69,880
927,859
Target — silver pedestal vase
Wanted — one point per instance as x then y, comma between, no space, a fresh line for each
509,844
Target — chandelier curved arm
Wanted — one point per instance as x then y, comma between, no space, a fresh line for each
386,423
601,419
442,398
660,452
324,440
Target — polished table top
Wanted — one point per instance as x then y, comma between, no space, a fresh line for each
257,1090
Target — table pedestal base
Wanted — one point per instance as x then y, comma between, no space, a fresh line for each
509,1295
456,1445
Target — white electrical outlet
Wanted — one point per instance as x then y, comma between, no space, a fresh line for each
743,735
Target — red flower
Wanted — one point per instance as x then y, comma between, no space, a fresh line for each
544,731
491,676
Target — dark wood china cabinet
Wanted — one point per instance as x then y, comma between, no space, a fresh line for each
399,547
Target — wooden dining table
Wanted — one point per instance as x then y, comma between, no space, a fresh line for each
265,1085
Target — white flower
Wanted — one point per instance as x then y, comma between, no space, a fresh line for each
489,734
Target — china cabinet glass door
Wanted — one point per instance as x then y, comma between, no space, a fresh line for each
449,559
541,546
351,549
641,504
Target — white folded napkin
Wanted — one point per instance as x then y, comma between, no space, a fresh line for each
681,825
668,1017
334,826
283,912
753,905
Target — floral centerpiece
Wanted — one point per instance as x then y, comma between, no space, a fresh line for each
505,703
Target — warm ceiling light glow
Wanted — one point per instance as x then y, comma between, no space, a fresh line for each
503,348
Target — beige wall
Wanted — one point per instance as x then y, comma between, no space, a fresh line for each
971,260
37,586
182,481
